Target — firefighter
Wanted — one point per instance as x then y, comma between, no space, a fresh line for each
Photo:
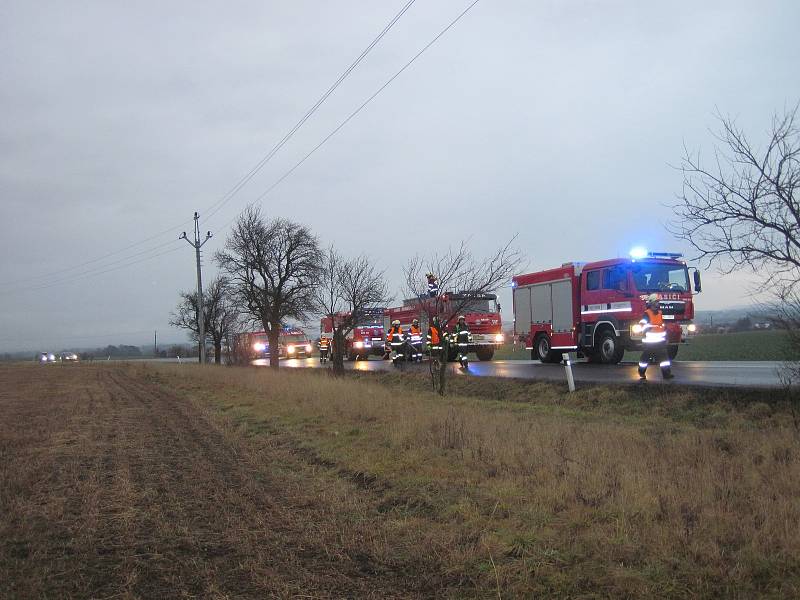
433,285
461,338
415,339
395,339
655,340
434,338
324,349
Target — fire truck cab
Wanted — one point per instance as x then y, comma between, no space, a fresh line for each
482,313
594,308
366,338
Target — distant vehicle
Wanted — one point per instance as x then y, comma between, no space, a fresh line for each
69,357
481,312
46,357
365,339
293,343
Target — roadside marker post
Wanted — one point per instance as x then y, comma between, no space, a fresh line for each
568,370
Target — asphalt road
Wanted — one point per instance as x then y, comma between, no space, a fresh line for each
700,373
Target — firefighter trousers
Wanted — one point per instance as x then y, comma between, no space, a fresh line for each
656,353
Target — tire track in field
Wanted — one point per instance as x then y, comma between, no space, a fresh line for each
122,489
232,519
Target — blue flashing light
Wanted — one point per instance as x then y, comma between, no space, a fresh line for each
638,252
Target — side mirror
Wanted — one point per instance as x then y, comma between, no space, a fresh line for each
697,285
498,308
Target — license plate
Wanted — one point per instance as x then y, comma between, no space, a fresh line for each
669,317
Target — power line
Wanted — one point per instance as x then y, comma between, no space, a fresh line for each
357,110
214,208
101,267
90,274
104,256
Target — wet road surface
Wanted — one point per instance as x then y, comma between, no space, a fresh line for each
701,373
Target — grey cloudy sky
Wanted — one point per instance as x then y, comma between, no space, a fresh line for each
558,120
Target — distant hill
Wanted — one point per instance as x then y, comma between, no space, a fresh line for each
728,316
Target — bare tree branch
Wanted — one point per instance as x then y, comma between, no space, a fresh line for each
458,271
345,290
461,277
743,212
219,312
273,267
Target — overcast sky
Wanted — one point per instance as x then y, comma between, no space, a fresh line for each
557,120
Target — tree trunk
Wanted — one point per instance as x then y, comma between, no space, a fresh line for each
274,350
445,342
338,352
218,351
200,352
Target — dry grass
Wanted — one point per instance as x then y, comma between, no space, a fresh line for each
610,492
187,481
111,486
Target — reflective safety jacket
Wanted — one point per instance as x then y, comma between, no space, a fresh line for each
395,336
324,343
433,336
415,333
433,288
653,325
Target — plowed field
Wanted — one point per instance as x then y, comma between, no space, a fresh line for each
111,487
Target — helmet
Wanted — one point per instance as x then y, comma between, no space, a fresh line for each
396,322
652,298
460,317
428,275
415,322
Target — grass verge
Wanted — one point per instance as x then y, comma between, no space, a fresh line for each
517,489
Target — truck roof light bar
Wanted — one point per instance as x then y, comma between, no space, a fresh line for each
673,255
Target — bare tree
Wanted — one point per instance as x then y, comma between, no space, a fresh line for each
457,270
273,267
741,212
345,292
219,312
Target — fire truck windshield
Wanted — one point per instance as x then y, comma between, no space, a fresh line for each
294,338
480,305
660,277
368,321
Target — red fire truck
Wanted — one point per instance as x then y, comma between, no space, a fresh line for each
293,343
594,308
481,310
366,338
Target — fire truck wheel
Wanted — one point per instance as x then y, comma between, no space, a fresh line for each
542,350
672,351
485,353
609,349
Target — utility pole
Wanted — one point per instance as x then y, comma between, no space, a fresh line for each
155,342
201,321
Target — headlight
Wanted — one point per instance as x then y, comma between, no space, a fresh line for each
259,346
308,347
290,349
358,344
691,328
637,328
499,338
